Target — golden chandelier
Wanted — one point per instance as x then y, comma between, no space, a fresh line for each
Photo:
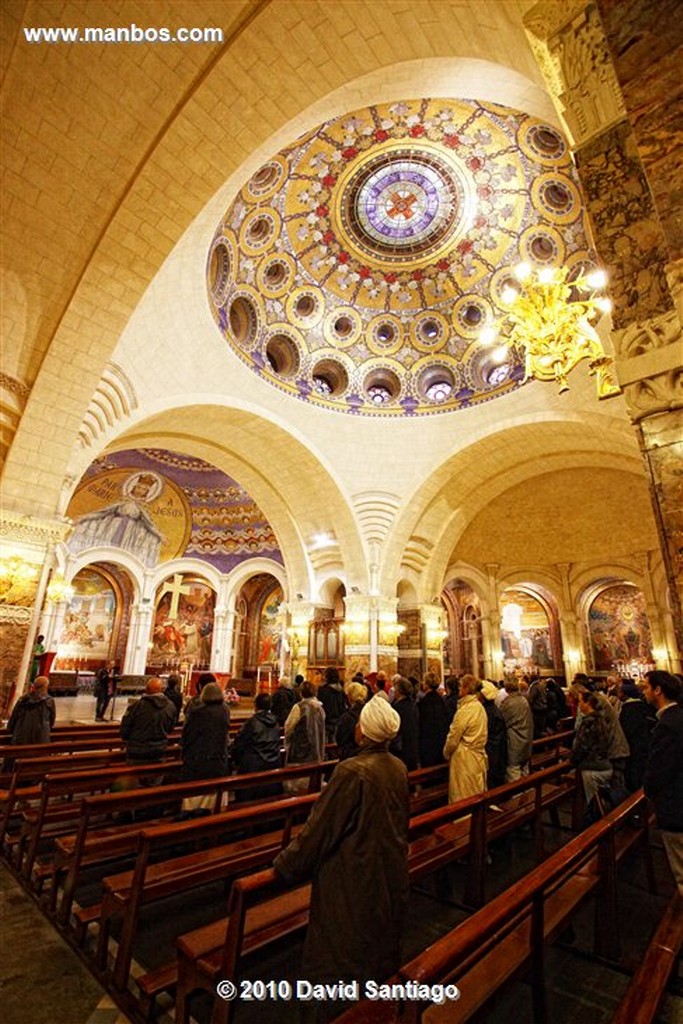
549,318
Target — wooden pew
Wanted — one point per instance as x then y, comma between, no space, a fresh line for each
467,827
92,846
644,995
213,952
124,895
27,776
508,936
59,808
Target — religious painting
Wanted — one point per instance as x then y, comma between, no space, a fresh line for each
89,621
619,630
525,634
183,622
140,511
270,629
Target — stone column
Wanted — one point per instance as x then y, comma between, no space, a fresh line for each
490,626
26,556
139,633
300,618
614,73
221,644
433,635
360,650
388,631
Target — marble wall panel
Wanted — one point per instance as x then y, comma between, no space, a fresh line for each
628,233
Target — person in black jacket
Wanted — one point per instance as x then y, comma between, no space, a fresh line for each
173,693
663,780
497,741
257,748
637,719
33,715
283,699
406,746
433,722
146,725
345,734
205,736
333,699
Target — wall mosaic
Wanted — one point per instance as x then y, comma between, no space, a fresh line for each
358,267
161,505
619,628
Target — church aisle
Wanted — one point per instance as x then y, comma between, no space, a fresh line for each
42,980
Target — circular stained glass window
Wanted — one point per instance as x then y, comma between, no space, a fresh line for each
402,203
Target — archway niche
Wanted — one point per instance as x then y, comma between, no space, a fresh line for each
95,627
619,637
530,631
258,633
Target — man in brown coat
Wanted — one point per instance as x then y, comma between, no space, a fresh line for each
355,848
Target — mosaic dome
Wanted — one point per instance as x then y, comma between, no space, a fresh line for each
357,268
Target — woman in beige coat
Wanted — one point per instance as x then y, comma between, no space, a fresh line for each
466,743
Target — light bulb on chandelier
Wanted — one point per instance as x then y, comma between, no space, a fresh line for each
548,318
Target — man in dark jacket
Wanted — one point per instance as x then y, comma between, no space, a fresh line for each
283,699
147,723
333,699
407,745
33,715
355,848
434,722
663,780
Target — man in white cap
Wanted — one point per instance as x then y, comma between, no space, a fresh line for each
355,848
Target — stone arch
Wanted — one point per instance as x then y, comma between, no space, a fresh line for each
485,467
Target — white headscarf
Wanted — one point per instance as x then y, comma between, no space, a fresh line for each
378,720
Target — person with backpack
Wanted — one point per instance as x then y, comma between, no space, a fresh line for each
33,715
304,734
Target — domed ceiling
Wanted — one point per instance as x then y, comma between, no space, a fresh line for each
357,268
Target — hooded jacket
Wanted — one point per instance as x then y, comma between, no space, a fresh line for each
257,745
146,725
32,718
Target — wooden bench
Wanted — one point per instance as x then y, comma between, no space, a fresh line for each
96,846
59,808
469,826
260,909
27,777
644,995
508,936
200,964
125,894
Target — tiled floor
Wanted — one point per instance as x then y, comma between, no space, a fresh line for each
42,980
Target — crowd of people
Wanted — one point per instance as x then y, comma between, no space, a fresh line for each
625,736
